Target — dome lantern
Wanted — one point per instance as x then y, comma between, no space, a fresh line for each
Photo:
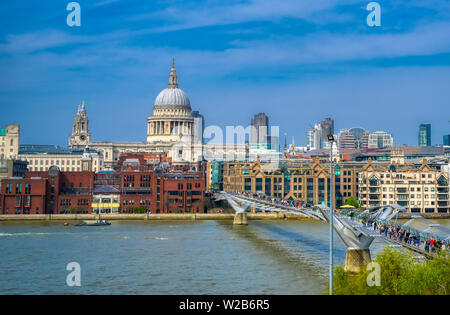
173,97
173,79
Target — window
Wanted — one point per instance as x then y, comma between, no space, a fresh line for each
18,201
442,181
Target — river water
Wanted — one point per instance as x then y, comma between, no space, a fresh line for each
169,257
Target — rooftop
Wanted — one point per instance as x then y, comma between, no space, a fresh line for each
49,149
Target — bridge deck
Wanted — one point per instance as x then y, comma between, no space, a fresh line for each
269,206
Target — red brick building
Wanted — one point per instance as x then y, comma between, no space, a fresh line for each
183,192
154,189
23,196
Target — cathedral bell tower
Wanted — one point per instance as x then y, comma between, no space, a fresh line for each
80,131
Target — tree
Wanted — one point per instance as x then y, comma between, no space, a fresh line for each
401,274
351,201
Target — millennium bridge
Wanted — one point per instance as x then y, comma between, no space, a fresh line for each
355,231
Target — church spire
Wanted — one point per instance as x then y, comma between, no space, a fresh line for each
173,79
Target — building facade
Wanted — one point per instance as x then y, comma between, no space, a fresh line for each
317,137
425,135
420,189
41,158
446,140
9,142
12,168
305,181
133,189
380,140
214,175
354,138
259,130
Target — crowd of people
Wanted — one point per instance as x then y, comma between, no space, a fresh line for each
276,201
404,234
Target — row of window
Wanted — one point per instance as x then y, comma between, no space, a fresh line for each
401,196
63,169
188,186
18,188
54,162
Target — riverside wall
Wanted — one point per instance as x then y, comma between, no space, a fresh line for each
144,217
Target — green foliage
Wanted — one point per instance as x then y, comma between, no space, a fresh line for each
351,201
136,210
401,274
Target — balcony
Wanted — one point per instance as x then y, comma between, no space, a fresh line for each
76,192
136,191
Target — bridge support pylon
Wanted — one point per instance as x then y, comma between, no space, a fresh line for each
240,218
356,258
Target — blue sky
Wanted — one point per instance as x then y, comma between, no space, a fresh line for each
298,61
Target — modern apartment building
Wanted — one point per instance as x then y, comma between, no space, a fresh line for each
421,188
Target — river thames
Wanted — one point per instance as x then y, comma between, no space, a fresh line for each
169,257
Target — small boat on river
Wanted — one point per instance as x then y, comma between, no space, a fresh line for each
93,223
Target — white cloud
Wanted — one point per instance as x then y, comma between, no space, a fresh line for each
105,2
231,12
40,40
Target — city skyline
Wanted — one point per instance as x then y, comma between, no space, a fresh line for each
292,63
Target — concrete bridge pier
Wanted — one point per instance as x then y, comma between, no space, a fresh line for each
356,258
240,218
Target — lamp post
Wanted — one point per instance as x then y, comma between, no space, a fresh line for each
331,140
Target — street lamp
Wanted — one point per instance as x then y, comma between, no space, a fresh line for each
331,141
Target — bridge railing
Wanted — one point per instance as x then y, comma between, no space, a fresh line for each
281,205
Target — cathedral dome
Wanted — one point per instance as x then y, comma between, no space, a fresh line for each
172,97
